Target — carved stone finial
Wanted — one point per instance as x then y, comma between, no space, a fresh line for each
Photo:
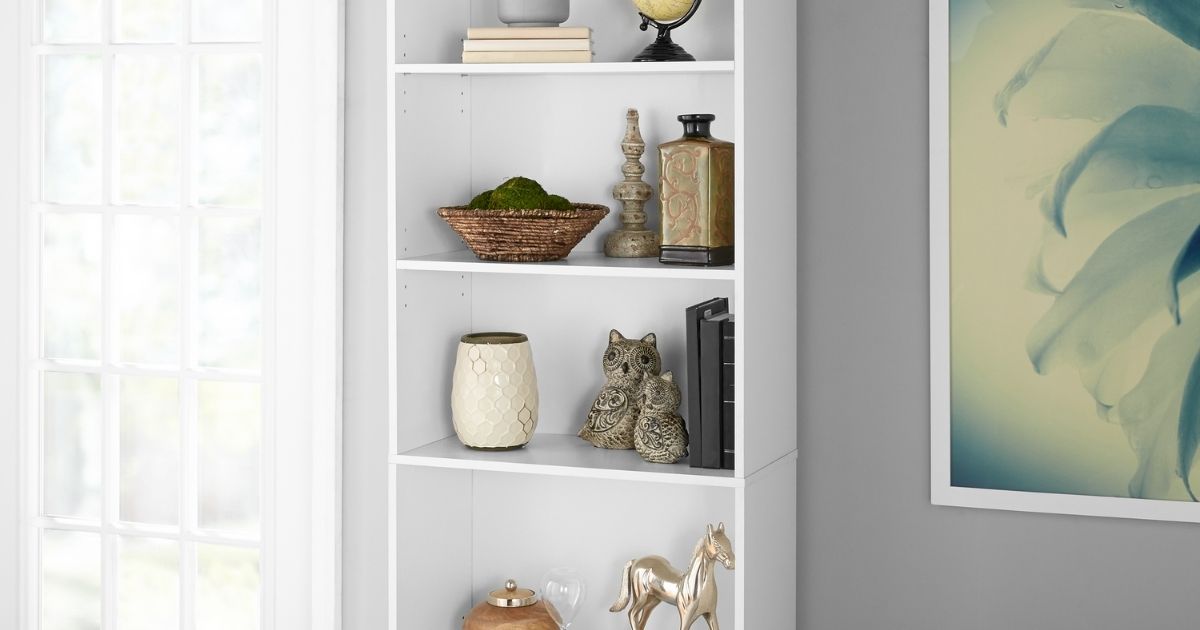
632,239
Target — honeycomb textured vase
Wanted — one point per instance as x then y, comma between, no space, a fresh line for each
494,398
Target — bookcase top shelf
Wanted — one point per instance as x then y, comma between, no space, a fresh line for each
686,67
581,264
566,456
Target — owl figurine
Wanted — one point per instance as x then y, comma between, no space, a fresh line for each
614,414
661,436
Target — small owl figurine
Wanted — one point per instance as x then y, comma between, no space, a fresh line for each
661,436
614,414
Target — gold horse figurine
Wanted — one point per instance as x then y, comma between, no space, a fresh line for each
652,580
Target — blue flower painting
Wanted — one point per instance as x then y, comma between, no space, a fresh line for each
1075,247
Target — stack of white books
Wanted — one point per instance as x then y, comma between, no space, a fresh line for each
559,44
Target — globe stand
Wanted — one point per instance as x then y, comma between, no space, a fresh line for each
663,48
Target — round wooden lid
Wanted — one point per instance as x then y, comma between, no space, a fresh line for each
512,597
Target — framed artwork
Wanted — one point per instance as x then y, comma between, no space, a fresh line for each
1065,256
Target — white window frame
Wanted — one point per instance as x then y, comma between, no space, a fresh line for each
11,272
301,545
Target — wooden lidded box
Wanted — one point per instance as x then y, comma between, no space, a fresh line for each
510,608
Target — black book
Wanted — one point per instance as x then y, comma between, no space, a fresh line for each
693,317
727,448
712,394
727,420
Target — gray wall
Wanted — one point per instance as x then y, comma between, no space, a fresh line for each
873,552
364,410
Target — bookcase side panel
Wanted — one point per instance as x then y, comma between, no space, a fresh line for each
431,31
432,587
768,549
767,253
433,166
432,311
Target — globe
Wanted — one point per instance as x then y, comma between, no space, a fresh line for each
663,10
666,15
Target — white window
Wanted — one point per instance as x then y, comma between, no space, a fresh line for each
169,312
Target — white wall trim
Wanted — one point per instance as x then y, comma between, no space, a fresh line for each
11,481
309,54
329,16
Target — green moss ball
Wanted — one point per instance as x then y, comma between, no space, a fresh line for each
558,202
522,184
517,199
482,201
519,193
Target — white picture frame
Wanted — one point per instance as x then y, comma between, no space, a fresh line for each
942,491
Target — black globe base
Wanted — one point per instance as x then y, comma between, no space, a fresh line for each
663,49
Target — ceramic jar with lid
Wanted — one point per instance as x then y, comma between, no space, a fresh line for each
510,608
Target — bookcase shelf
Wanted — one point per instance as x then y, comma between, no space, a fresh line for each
461,521
565,456
584,264
467,69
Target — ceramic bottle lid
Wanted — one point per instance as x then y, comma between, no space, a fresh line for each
697,125
512,597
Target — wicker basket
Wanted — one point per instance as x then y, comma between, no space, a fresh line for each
523,235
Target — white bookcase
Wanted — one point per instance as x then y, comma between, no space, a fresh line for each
463,521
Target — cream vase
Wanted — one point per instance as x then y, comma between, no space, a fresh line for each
494,399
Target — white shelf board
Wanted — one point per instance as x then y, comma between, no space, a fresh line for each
628,67
563,456
577,264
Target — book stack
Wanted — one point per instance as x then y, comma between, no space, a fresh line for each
557,44
710,345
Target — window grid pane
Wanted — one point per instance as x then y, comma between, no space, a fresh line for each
72,445
146,134
71,581
150,407
148,584
146,288
150,451
71,21
72,266
228,114
230,439
72,128
145,21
